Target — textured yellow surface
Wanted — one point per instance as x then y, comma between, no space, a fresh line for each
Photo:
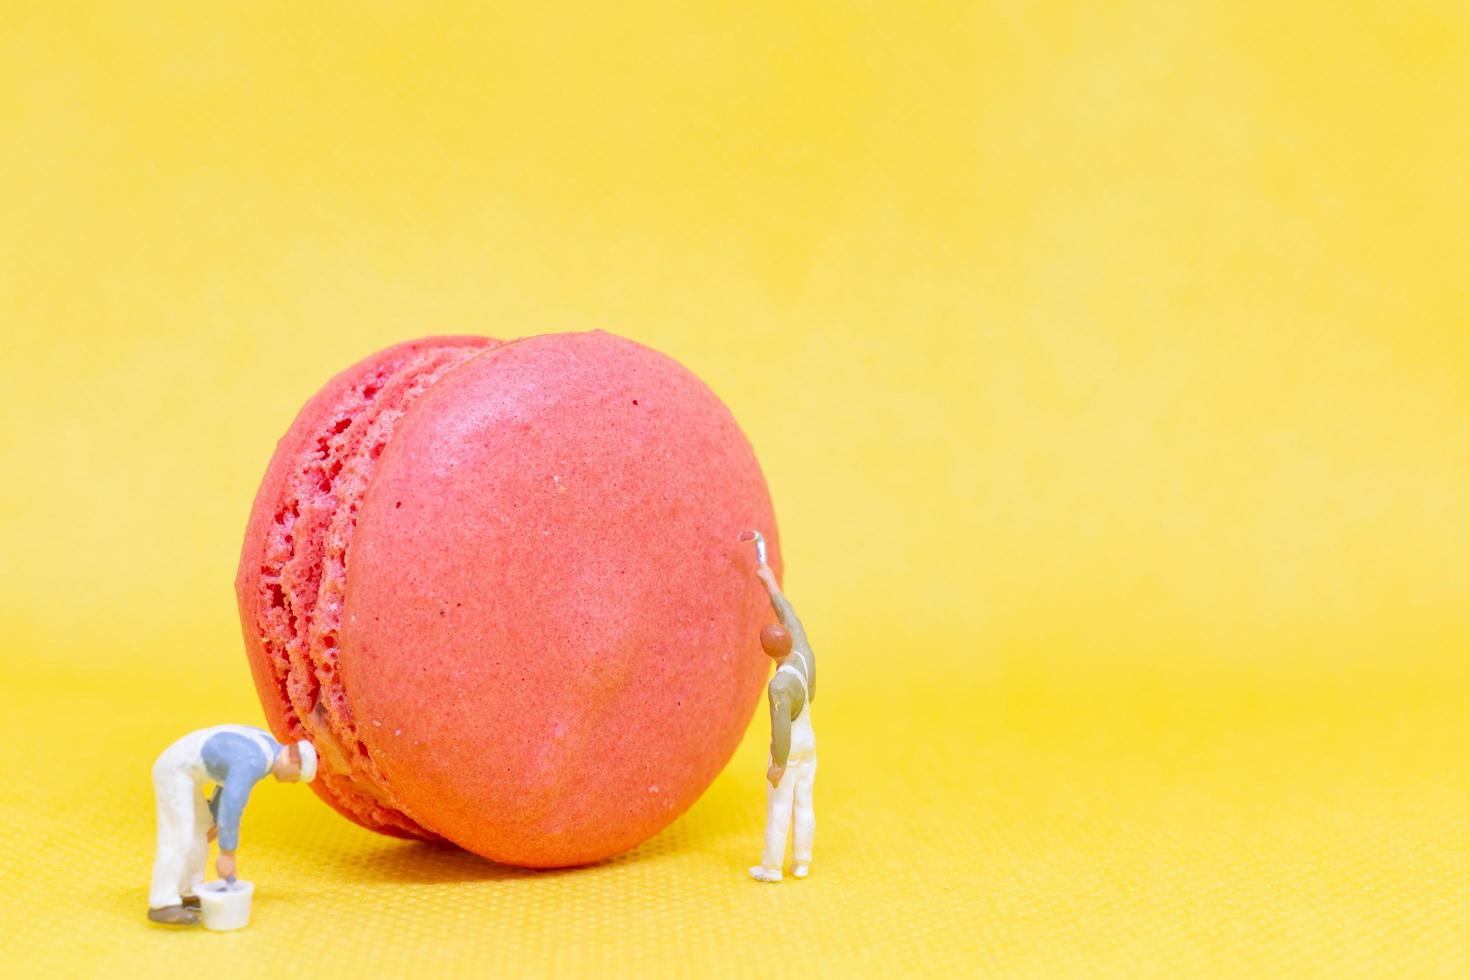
1110,364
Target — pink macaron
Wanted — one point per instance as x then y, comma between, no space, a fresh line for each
499,586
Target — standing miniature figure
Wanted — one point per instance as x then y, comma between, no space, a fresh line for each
235,758
793,763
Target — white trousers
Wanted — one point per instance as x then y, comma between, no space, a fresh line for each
183,835
788,802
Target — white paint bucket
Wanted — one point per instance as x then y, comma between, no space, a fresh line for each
225,906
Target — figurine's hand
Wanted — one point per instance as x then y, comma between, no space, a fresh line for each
225,864
775,773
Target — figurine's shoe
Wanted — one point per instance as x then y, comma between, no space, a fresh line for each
174,915
762,873
801,870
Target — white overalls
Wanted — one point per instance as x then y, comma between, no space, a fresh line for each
184,819
794,791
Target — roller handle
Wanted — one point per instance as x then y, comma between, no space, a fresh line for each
760,544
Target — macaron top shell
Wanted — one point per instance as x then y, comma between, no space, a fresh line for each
549,640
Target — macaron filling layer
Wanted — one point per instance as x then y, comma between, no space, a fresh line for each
303,574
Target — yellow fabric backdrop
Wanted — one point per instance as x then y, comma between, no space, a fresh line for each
1110,364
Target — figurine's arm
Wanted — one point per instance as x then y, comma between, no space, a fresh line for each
788,617
785,698
782,605
236,764
232,796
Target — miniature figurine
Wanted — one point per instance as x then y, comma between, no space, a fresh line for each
234,758
793,762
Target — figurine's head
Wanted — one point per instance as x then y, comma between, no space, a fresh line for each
294,762
775,640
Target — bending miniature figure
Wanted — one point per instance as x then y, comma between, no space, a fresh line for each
234,758
793,761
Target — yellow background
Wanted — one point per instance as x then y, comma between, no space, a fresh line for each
1110,365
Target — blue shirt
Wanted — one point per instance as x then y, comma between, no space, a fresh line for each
236,764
